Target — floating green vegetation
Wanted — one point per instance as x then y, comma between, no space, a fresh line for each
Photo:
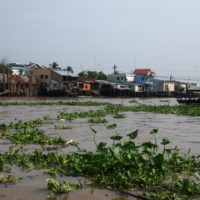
56,187
46,117
97,120
133,101
89,114
160,173
127,166
21,125
28,133
57,103
164,100
190,110
33,136
8,179
119,116
63,127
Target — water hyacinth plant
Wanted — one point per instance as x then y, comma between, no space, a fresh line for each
190,110
119,116
57,103
62,127
152,168
8,179
56,187
33,136
97,120
157,173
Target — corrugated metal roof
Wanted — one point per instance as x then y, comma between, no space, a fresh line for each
62,73
107,82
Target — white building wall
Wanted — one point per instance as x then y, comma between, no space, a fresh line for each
15,71
169,87
130,78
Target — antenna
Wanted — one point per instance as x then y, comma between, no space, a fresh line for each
115,67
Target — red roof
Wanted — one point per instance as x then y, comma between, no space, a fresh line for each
86,79
19,78
15,78
143,71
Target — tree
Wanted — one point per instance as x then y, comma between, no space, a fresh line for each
54,65
21,71
93,74
82,74
69,70
101,76
5,70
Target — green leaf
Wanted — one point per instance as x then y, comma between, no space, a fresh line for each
133,135
112,126
154,131
197,175
149,145
165,141
116,137
101,146
129,145
115,151
158,160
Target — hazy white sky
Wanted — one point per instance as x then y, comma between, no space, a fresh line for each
163,35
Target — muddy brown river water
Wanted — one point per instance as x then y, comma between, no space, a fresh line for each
183,131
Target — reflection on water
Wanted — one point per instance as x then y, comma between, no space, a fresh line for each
183,131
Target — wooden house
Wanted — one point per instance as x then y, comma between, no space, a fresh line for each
19,85
169,86
65,82
88,86
40,76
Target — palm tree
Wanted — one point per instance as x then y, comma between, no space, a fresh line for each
54,65
69,70
5,70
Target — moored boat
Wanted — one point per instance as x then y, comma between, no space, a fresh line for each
188,100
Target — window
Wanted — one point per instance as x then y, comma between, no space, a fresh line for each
166,88
81,85
64,78
41,76
46,76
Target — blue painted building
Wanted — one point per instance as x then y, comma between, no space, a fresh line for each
144,77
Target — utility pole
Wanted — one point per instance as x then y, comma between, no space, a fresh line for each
115,67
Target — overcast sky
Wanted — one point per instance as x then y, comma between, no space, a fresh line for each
163,35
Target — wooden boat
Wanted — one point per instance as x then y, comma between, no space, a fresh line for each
188,100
